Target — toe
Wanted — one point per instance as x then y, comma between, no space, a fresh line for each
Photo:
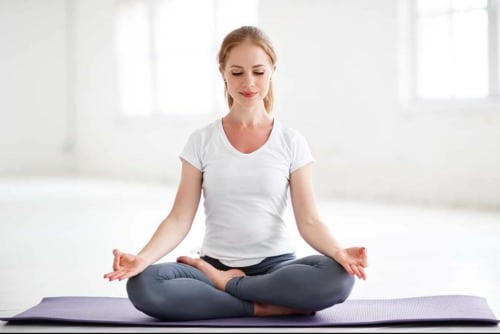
185,259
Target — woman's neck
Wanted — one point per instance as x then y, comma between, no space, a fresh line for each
247,117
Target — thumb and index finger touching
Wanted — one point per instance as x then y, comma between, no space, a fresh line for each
363,256
117,255
116,260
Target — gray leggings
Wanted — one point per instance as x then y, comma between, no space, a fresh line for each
176,291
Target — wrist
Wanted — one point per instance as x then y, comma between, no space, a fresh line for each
143,260
334,252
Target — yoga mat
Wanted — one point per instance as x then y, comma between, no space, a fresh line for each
457,309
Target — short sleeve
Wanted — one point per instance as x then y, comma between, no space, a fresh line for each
191,151
301,153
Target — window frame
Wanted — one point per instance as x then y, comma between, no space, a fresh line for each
157,112
407,64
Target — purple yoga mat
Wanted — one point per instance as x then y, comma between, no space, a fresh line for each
460,309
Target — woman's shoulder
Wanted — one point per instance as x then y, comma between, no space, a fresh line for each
288,132
206,130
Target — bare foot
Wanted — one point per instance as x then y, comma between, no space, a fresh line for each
218,277
266,310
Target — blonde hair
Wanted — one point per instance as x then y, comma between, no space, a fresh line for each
256,36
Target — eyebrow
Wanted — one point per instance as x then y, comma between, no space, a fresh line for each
254,66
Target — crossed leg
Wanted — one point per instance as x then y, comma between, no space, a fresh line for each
220,278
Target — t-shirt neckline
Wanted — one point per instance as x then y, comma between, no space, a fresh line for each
235,150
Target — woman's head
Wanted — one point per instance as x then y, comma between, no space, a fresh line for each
247,61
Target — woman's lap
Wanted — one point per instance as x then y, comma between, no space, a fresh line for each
176,291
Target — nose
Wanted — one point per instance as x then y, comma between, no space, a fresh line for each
249,80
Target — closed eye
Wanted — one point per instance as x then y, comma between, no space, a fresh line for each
240,73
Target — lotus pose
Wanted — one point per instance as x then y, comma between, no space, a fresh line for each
244,164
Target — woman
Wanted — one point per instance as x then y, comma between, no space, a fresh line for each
244,164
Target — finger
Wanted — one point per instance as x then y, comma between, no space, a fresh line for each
360,272
348,269
363,257
363,274
362,251
362,263
116,275
355,270
110,276
124,275
116,260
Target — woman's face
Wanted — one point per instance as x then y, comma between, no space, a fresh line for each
247,73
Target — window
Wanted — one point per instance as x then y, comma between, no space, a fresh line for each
166,53
452,50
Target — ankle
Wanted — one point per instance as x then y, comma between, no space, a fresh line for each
265,310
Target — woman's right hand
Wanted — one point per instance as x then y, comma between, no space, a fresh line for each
125,266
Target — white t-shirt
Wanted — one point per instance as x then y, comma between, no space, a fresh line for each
245,194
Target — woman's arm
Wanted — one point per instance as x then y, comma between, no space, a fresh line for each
171,231
314,231
175,227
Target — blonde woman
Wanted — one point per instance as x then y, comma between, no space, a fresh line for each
244,164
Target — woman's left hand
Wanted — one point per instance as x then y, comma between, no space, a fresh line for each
354,260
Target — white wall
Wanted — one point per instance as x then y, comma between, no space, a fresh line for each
107,144
337,82
34,127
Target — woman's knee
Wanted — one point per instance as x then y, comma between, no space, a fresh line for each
334,281
139,289
151,295
340,284
162,290
329,284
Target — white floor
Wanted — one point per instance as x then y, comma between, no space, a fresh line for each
57,235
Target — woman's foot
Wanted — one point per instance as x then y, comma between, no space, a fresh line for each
266,310
218,277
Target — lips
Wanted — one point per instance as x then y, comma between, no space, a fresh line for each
248,94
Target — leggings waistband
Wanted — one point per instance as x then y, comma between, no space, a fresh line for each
262,267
